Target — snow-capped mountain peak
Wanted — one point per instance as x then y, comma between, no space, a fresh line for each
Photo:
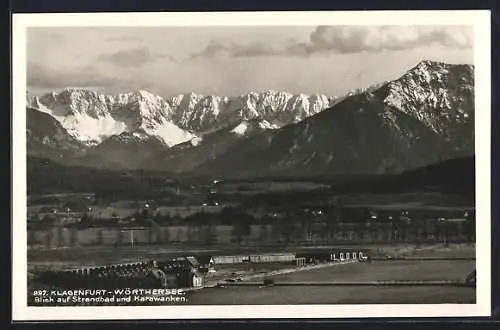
145,94
202,114
446,88
91,117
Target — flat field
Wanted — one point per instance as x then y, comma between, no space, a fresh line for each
381,270
296,295
429,270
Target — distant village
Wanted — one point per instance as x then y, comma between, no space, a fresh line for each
80,222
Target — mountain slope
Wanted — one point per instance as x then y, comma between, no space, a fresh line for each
186,156
423,117
45,136
439,95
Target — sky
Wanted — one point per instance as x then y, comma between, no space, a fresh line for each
229,61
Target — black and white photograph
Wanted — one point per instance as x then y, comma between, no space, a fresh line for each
247,162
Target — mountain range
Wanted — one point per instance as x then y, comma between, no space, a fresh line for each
423,117
91,117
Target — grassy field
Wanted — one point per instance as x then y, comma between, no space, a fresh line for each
427,251
382,270
271,186
126,208
331,295
418,201
424,200
387,270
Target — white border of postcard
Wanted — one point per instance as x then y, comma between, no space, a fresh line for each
480,20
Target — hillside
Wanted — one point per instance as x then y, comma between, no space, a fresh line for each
424,117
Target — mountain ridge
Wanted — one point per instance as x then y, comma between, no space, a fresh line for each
398,126
426,115
91,117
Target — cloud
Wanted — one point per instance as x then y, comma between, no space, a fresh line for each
134,57
345,40
42,77
348,40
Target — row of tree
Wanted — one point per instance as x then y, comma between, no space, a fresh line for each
282,230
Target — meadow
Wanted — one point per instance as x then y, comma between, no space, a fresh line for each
296,295
429,270
359,272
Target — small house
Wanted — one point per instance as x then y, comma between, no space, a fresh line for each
196,280
224,260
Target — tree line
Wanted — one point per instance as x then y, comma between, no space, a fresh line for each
285,229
